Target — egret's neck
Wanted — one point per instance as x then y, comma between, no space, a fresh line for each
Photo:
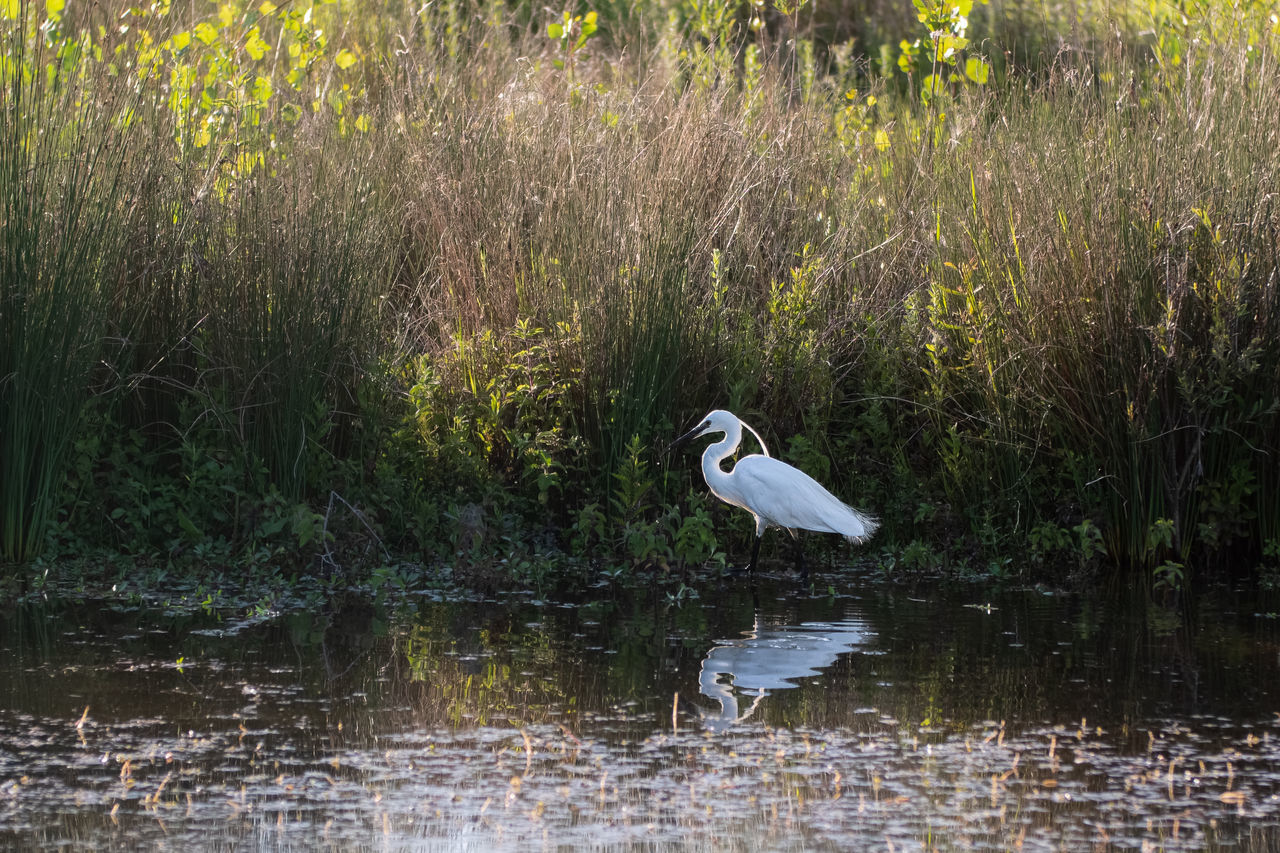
717,453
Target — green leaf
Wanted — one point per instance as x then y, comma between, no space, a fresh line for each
947,47
906,59
929,87
195,534
255,46
261,89
555,30
977,70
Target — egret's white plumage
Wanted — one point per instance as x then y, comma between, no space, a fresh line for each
777,494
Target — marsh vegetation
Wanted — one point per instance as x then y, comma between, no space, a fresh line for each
325,287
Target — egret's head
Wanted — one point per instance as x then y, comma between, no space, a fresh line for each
715,421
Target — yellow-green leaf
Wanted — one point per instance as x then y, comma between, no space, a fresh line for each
261,89
206,33
929,87
345,59
9,9
362,124
267,8
977,70
53,9
947,47
255,46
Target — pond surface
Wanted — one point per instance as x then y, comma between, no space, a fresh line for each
752,717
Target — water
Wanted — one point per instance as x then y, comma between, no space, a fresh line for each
751,718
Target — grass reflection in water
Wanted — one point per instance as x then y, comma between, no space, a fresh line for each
817,725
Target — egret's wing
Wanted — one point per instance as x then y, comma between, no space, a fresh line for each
787,497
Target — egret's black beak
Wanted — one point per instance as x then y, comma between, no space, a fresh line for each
691,434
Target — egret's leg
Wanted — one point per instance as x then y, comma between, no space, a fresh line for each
755,552
801,566
751,566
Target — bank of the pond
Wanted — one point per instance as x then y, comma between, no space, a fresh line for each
262,588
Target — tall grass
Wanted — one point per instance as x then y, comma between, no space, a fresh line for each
284,301
230,291
1042,303
64,213
1108,295
1015,297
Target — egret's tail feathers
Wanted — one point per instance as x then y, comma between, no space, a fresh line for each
860,527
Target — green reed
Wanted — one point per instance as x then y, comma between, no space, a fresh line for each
1022,302
64,215
1046,296
286,304
1108,297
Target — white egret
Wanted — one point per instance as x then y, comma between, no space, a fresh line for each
777,494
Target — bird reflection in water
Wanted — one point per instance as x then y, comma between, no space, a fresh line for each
769,658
